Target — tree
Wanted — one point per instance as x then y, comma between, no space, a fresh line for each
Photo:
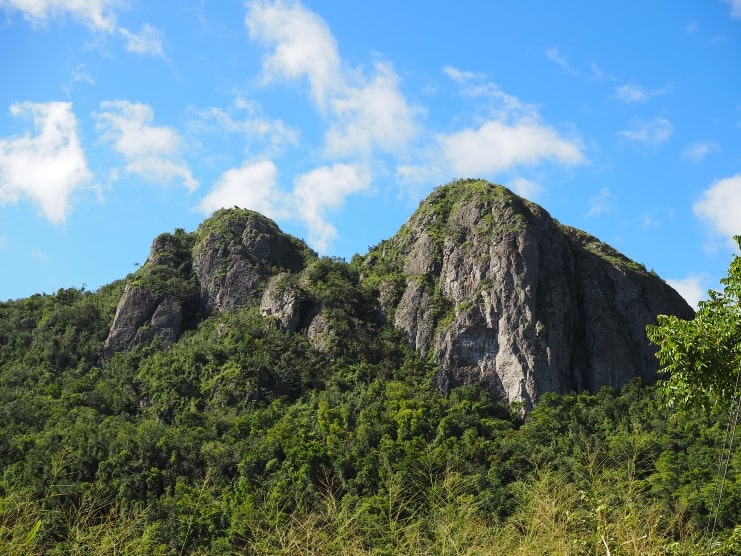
702,357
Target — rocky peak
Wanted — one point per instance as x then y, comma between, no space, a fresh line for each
498,293
222,266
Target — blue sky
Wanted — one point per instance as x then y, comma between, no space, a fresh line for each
120,120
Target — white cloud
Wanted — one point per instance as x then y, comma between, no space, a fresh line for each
47,167
252,186
690,288
375,115
152,153
698,151
363,112
526,188
735,8
147,41
303,45
600,204
496,146
512,134
96,14
255,186
3,242
321,189
720,206
631,93
652,132
554,55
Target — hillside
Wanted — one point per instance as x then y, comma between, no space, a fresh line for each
239,394
484,283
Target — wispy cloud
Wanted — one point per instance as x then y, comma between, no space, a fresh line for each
700,150
151,152
720,205
601,204
735,8
555,55
147,41
79,75
47,167
98,15
651,132
268,137
631,93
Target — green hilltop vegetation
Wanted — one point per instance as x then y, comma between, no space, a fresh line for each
244,438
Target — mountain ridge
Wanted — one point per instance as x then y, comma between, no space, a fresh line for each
484,283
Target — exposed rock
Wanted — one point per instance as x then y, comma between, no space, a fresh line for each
140,316
282,301
236,252
500,294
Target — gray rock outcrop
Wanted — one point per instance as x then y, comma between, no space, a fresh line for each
500,294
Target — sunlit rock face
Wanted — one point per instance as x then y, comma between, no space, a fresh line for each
500,294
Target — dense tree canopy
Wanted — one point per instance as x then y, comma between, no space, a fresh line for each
244,438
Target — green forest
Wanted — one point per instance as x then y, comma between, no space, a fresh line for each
241,438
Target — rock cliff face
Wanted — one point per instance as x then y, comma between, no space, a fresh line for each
222,266
500,294
483,282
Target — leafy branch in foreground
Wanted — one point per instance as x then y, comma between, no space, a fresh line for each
702,357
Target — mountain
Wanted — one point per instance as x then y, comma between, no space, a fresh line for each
479,280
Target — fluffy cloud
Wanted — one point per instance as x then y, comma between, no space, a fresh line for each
720,206
47,167
321,189
511,135
495,146
152,153
690,288
375,115
652,132
97,14
303,46
363,113
253,186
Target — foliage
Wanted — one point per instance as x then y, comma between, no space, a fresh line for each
244,438
702,357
